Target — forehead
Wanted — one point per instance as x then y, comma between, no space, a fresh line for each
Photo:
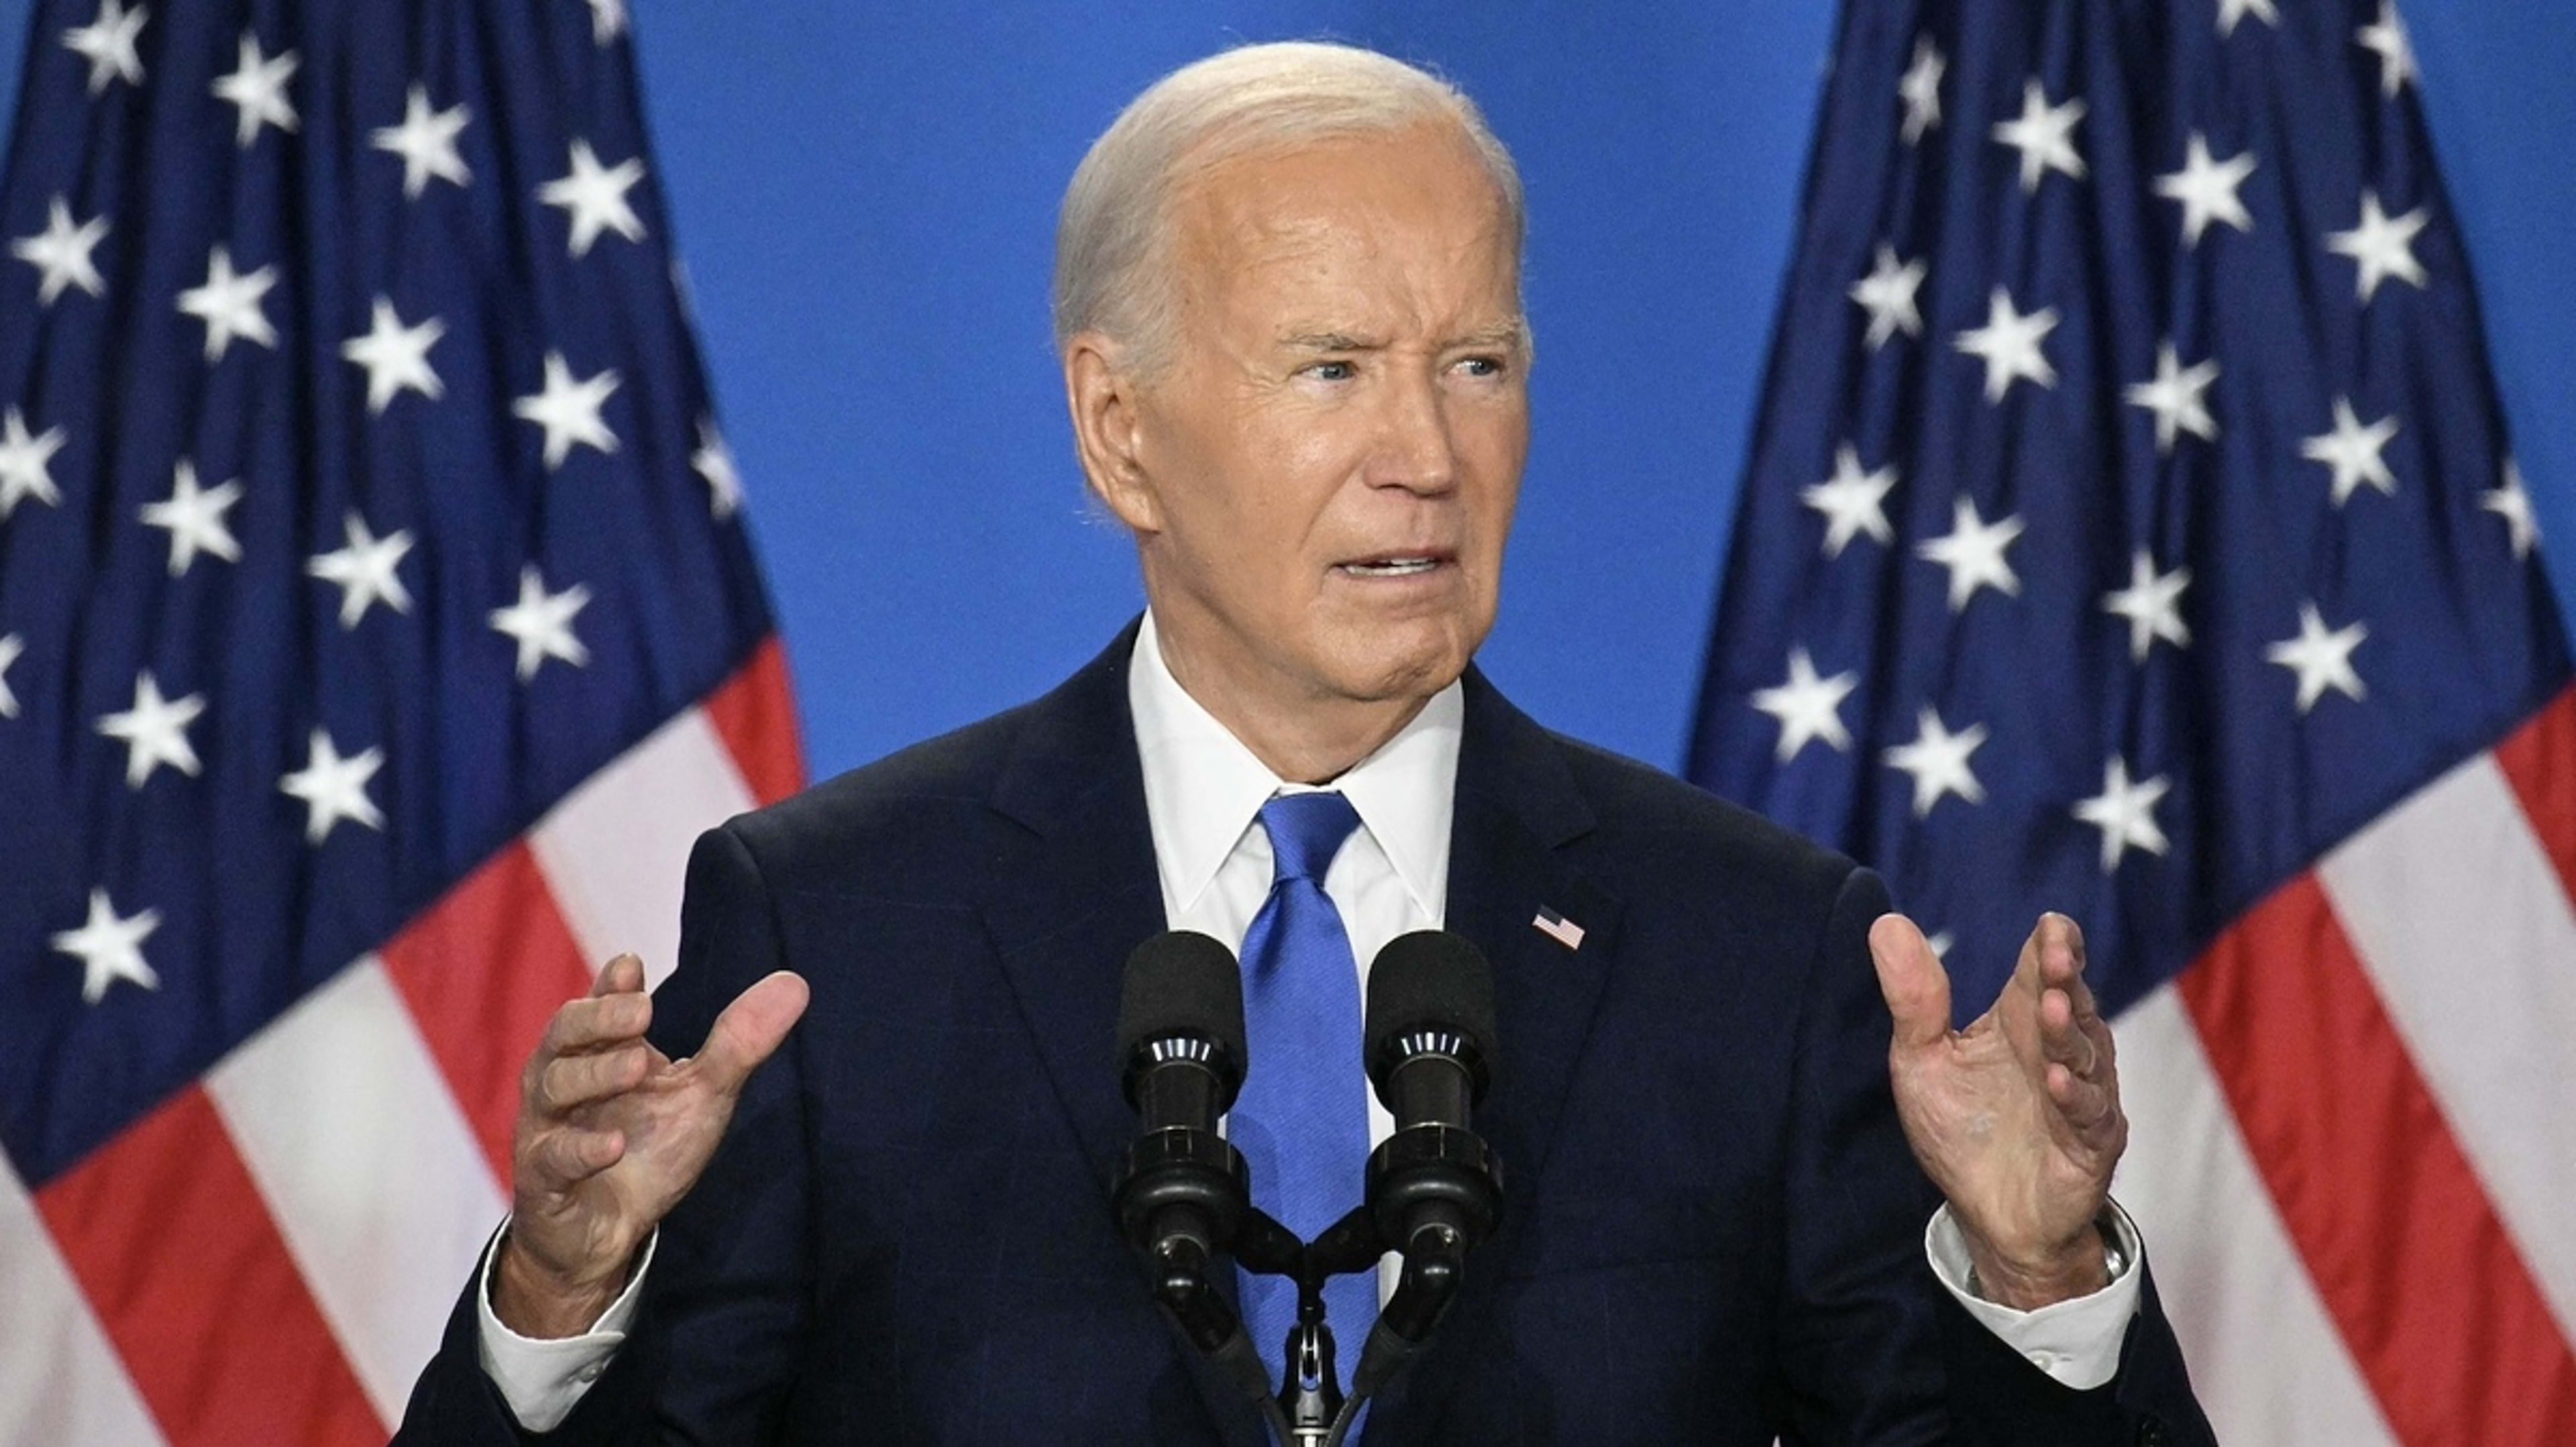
1409,219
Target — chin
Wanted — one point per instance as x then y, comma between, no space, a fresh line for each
1406,662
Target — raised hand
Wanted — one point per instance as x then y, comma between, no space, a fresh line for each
611,1134
2016,1118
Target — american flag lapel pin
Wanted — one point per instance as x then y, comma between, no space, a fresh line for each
1558,928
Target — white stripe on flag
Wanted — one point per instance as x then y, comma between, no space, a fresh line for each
2265,1358
2459,918
616,850
369,1170
61,1381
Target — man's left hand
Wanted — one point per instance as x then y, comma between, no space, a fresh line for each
2016,1118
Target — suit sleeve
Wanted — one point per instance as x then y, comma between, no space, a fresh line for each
1873,1349
715,1348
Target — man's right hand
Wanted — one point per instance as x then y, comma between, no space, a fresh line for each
611,1134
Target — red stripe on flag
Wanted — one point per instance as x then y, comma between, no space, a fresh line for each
754,712
482,971
2433,1300
2539,761
175,1250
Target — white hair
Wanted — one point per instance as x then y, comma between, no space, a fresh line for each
1111,272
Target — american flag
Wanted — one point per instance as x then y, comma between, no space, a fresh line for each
377,628
2131,531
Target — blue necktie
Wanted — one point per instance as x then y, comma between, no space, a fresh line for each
1301,1120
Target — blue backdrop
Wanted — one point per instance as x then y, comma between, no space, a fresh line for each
865,193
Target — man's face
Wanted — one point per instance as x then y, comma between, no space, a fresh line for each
1333,451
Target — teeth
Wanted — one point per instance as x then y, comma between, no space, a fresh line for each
1394,567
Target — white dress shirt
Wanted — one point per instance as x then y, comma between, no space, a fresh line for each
1203,795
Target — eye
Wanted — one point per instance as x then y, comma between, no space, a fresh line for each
1481,366
1336,371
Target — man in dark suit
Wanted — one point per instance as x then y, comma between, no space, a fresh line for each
1288,302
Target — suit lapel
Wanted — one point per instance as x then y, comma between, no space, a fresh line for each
1517,807
1072,890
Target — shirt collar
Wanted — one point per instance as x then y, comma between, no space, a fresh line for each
1203,788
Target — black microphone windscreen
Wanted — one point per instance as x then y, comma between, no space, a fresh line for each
1181,983
1430,980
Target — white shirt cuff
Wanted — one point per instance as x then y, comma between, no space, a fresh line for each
2075,1341
541,1379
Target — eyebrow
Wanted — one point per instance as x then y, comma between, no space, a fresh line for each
1509,334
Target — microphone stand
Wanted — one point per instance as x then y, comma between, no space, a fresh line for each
1309,1408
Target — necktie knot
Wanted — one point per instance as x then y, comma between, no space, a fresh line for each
1306,831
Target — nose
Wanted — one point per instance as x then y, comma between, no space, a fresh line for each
1415,450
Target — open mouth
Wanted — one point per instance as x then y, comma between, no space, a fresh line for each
1400,565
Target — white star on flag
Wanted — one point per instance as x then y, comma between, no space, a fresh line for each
2153,605
229,304
2352,451
2382,244
2509,500
155,731
1973,551
25,463
194,518
2010,344
2125,812
2231,11
1920,89
107,42
1887,293
1808,707
594,197
396,357
426,141
334,788
257,87
110,948
1851,501
2045,136
11,645
568,409
1938,760
61,253
2207,189
541,623
2387,36
2175,397
607,20
2322,658
364,570
714,462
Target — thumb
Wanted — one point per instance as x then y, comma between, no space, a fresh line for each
750,1029
1911,977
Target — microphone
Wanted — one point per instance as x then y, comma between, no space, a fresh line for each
1180,1031
1433,1186
1183,1191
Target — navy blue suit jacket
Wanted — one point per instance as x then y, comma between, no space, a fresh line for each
1714,1231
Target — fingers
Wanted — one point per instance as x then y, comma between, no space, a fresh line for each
750,1029
1911,977
593,1047
565,1158
596,1023
2072,1032
572,1081
2059,943
622,975
2085,1104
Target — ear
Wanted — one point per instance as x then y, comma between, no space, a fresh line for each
1103,394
